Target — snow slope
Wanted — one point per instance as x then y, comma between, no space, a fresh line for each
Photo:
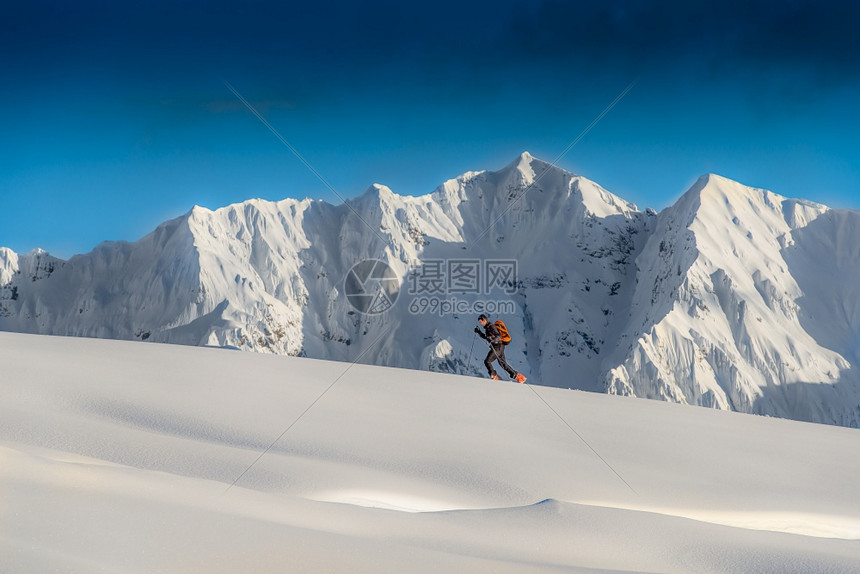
117,457
715,301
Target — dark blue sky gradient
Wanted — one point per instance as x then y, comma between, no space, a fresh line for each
115,117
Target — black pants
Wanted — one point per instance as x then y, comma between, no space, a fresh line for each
497,352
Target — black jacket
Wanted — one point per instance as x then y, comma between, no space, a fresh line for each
491,333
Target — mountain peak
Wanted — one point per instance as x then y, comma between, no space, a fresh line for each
713,194
716,186
521,166
525,169
375,192
526,162
380,189
716,193
530,167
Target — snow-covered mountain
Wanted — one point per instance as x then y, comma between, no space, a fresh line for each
749,301
733,298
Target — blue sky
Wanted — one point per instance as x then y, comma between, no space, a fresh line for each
116,117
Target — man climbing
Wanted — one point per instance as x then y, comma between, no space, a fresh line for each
496,335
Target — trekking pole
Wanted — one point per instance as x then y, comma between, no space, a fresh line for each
469,362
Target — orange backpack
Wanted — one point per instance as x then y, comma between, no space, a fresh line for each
503,332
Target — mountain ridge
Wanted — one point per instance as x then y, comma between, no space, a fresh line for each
704,303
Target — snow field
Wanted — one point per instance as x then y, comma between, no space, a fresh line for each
119,456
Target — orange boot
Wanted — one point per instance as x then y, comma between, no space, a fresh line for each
521,378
